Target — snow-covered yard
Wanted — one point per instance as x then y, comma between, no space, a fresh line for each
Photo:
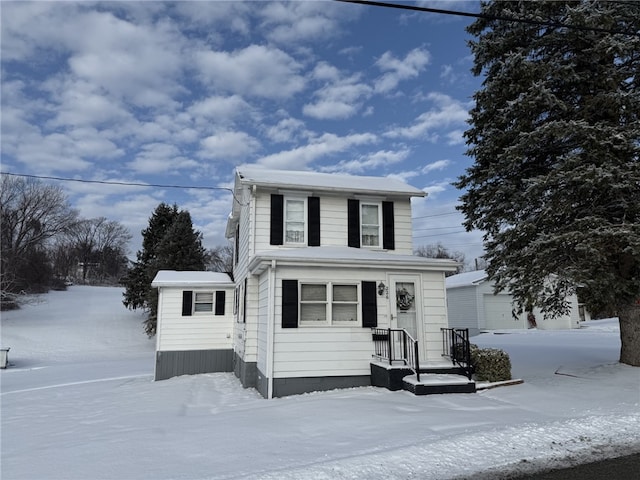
79,403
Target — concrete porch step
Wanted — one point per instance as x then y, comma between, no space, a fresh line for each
437,383
437,378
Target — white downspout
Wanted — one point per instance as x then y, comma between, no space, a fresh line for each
271,327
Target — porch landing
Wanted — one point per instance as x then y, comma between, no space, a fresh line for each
435,378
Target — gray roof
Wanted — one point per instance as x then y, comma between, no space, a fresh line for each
173,278
466,279
307,180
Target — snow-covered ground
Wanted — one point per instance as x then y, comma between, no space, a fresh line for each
79,403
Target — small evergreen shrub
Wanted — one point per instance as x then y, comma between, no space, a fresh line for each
490,364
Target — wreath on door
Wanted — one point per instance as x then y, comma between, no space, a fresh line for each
404,299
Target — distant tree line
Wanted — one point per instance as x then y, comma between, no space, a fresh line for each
438,250
45,244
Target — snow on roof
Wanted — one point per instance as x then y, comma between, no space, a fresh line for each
173,278
326,181
466,279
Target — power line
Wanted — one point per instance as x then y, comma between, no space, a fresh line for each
491,17
109,182
440,234
435,215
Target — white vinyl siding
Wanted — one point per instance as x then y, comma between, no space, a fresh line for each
201,331
245,235
263,318
253,317
333,224
462,308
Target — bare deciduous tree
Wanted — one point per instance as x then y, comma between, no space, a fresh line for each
438,250
31,213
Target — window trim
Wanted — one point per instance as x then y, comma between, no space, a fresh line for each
378,205
305,219
196,302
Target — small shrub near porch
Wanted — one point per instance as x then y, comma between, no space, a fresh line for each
490,364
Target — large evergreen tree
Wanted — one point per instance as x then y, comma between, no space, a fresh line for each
169,243
555,135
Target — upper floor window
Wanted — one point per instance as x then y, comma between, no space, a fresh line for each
294,224
370,224
294,220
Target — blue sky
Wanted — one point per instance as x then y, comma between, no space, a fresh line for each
181,93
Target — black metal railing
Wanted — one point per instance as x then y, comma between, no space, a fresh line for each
396,345
456,346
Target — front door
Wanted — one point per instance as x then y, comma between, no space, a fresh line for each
405,306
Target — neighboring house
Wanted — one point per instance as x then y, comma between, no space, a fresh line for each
320,260
472,304
195,323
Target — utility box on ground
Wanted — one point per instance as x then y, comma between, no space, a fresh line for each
4,357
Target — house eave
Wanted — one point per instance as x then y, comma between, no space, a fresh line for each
347,258
195,279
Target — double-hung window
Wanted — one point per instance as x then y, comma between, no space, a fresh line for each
203,302
328,304
295,219
370,224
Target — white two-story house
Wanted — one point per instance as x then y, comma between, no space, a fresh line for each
320,260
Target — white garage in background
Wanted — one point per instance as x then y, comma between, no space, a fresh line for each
472,304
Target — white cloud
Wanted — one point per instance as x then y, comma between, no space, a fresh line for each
286,130
435,188
228,145
339,97
437,165
370,161
323,146
339,100
256,70
397,70
447,112
455,137
219,108
291,22
233,16
80,103
160,158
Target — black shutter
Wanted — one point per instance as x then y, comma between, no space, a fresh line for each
277,218
313,214
369,305
187,302
244,302
289,303
237,244
220,299
353,223
388,226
